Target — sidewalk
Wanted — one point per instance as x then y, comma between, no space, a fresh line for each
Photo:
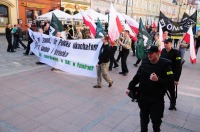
35,99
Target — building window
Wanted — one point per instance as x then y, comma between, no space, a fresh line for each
150,6
124,2
3,15
130,2
141,4
31,16
145,5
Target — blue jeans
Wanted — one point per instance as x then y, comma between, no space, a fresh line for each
182,52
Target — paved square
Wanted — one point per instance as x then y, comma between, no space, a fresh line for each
35,99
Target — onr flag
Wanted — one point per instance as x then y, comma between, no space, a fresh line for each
188,38
56,25
144,41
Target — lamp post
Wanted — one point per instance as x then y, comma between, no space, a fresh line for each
126,7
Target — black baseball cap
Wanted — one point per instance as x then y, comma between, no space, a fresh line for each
152,49
167,40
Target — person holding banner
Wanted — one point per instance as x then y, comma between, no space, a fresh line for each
29,41
102,65
44,30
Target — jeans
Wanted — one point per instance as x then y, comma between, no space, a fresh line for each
182,51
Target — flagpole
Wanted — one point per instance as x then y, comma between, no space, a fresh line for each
126,8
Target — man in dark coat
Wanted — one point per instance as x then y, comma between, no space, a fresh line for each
29,41
175,57
8,31
153,75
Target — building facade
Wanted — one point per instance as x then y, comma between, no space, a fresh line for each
174,10
8,13
73,6
29,10
147,10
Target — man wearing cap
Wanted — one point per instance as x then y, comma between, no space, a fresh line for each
174,56
153,75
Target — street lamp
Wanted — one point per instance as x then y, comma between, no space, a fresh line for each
126,6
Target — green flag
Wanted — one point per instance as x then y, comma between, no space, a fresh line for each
56,25
144,41
99,30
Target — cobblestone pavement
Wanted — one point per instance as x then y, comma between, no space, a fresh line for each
35,99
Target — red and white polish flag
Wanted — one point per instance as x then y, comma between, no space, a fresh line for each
90,23
132,23
114,26
188,38
161,37
132,34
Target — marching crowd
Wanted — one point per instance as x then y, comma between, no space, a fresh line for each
158,74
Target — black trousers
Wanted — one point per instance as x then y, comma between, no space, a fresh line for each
28,48
176,42
10,46
15,42
119,56
172,94
138,61
133,47
151,108
22,44
124,56
113,49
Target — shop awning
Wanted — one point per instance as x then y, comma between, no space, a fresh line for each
59,14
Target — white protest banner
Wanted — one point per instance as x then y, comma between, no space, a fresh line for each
78,57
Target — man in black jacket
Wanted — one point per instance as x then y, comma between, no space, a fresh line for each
19,31
29,41
8,31
102,65
153,75
175,57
